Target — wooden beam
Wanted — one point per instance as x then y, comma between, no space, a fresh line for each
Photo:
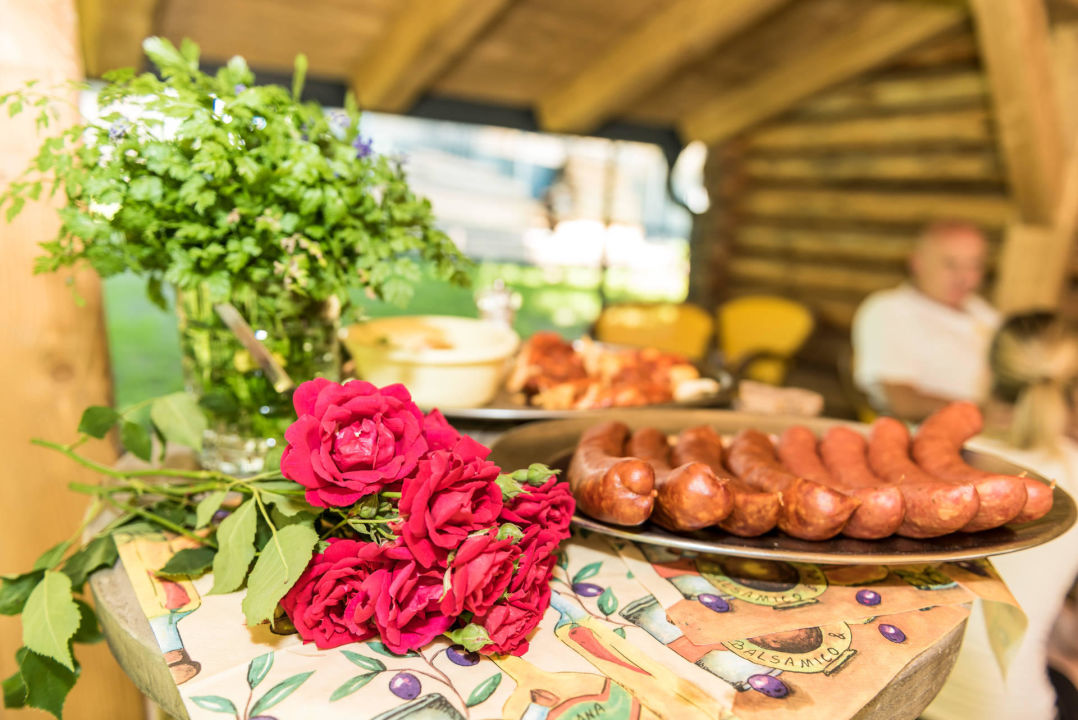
111,33
909,208
1065,61
805,275
980,165
677,34
965,127
962,87
422,39
884,30
1016,47
848,246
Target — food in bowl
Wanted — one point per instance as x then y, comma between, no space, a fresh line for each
446,362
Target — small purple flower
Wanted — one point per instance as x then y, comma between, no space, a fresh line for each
363,146
117,131
240,87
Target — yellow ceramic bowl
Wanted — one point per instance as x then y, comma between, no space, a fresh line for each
444,361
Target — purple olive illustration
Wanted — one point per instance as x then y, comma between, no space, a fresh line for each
713,602
405,685
263,717
769,685
458,655
587,589
868,597
892,633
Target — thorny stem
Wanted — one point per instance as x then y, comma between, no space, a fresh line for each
124,474
153,517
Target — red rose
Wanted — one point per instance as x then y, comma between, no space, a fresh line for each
441,435
348,575
446,500
479,574
550,506
351,440
511,621
537,560
407,612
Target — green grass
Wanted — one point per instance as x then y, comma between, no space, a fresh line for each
144,342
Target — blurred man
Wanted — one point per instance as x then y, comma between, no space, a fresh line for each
924,343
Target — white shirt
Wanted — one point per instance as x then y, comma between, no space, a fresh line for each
1039,578
902,336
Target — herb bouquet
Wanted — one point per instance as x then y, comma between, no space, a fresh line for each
382,522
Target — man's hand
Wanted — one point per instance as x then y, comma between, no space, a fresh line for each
910,404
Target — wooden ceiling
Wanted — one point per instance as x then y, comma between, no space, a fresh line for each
708,68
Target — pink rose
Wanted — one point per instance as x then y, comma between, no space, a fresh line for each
336,585
479,574
351,440
441,435
550,505
447,499
407,612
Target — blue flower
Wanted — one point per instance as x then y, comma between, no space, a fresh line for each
117,131
240,87
363,146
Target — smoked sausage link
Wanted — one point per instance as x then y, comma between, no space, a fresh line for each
690,496
934,506
839,462
810,511
937,448
754,511
607,485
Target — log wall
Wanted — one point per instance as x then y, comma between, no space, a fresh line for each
823,205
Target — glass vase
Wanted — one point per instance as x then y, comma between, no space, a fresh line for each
247,405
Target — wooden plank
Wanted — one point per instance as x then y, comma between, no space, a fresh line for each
1065,75
422,39
793,273
962,87
1015,43
678,33
955,48
817,244
888,30
112,31
966,127
54,360
959,165
896,207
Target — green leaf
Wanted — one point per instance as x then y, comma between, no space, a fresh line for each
14,690
299,74
235,548
51,557
98,553
97,420
215,703
352,685
179,419
89,631
471,636
607,602
484,690
135,438
367,663
207,506
50,618
47,682
187,563
258,669
381,649
279,692
589,570
619,631
287,506
509,530
281,563
273,457
15,591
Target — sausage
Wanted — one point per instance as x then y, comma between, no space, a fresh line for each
810,510
1004,498
839,462
690,496
754,511
934,507
608,486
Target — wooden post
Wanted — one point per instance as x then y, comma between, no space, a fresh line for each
54,361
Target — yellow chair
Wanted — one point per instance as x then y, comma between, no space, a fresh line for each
758,335
673,327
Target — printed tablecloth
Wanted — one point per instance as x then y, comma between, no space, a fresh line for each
633,631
